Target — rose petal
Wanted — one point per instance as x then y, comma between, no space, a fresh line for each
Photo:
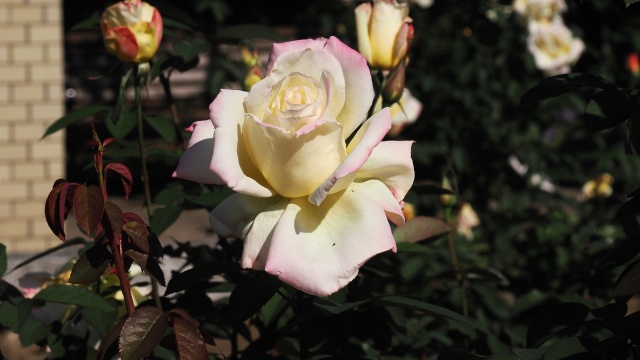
319,249
390,162
378,192
234,216
363,17
359,149
295,164
230,160
195,163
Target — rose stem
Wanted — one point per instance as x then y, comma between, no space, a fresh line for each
123,276
145,173
172,105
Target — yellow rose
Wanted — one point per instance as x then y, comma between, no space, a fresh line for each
384,32
132,30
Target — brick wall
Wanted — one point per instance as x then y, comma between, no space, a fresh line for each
31,98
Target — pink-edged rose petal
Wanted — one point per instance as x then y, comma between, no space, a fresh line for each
231,161
359,149
319,249
195,163
378,192
390,162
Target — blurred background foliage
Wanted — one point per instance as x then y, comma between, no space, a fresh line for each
537,276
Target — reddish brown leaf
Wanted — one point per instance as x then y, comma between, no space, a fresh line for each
112,220
108,141
421,228
58,205
189,342
90,265
139,234
142,332
88,206
148,264
125,176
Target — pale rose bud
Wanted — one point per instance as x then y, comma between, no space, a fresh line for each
447,199
554,48
384,32
633,64
467,220
132,30
393,87
409,211
404,112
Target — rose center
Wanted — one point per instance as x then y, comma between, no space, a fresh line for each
295,101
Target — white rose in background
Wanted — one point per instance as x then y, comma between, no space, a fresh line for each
404,112
554,48
536,11
423,3
310,207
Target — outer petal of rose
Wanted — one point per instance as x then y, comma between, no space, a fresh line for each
281,48
230,160
319,249
390,162
363,17
195,163
359,149
378,192
295,164
359,87
386,20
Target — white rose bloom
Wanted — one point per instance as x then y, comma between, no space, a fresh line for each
539,10
554,48
423,3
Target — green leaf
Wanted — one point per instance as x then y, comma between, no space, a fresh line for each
455,354
555,318
88,206
142,332
250,295
569,346
189,49
189,278
33,330
212,198
170,195
3,259
102,320
189,342
168,10
91,23
121,124
73,295
108,346
165,127
421,228
14,315
561,84
8,291
249,31
632,143
628,283
529,354
74,117
607,109
164,217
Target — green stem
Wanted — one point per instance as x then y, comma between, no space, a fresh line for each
145,175
166,86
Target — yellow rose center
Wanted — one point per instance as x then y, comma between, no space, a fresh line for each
295,101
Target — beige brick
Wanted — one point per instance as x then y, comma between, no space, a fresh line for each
41,189
46,72
12,34
14,227
55,169
29,209
5,133
53,52
48,112
5,171
27,131
4,15
26,14
46,2
52,13
14,190
13,152
41,150
4,93
40,229
29,171
4,54
29,245
6,209
13,113
12,73
45,33
27,53
28,93
54,92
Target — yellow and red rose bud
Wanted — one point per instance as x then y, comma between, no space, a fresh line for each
409,211
394,85
633,63
132,30
254,65
384,32
467,220
600,187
